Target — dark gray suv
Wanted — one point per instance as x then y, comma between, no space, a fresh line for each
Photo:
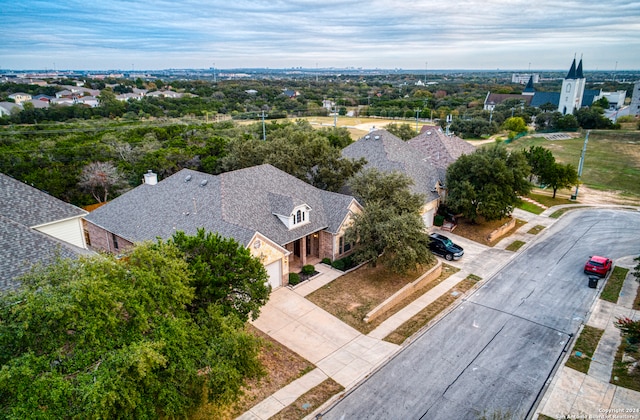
444,247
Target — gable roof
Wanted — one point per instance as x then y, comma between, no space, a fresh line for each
388,153
31,207
235,204
440,149
21,248
22,208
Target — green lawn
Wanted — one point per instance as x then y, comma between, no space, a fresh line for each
514,246
531,208
585,346
612,160
611,290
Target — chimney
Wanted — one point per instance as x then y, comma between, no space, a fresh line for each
150,178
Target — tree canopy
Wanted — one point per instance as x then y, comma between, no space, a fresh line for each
390,225
487,183
101,337
549,172
225,274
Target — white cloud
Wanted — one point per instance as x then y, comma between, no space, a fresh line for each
376,33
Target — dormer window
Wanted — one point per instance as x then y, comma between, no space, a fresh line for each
299,216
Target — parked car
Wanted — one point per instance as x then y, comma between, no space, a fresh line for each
597,265
444,247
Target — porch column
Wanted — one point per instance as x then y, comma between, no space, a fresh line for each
303,251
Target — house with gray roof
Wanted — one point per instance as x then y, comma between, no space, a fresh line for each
284,221
35,228
388,153
439,148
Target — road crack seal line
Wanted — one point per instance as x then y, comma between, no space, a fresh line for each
466,367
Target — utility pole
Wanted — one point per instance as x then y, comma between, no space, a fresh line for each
584,151
335,114
417,116
264,129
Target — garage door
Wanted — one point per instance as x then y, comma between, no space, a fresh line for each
428,217
274,270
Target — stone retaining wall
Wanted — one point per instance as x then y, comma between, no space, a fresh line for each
407,290
502,230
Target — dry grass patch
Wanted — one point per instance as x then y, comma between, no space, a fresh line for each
423,317
351,296
282,367
479,231
309,401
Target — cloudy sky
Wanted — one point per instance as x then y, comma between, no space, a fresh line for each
416,34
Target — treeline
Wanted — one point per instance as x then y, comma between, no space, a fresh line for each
59,159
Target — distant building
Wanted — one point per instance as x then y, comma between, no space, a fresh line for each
571,97
523,78
20,97
634,108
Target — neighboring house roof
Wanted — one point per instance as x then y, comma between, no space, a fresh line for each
31,207
7,107
388,153
234,204
23,208
21,248
440,149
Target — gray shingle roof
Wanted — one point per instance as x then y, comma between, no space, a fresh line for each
440,149
23,207
234,204
388,153
21,248
31,207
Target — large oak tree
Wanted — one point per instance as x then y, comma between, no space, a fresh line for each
487,183
390,226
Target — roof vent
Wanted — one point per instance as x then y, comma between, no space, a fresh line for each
367,137
203,182
377,137
187,178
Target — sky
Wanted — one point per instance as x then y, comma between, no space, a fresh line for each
387,34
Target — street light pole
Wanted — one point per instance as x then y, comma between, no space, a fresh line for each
417,116
580,165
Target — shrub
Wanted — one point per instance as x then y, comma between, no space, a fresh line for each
326,261
438,220
629,328
338,265
308,269
294,278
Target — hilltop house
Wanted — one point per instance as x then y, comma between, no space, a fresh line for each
388,153
284,221
35,228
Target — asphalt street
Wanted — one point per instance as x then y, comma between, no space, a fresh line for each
495,352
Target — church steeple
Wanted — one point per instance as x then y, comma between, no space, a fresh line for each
529,89
579,74
572,70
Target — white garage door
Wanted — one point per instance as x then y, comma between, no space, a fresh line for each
428,218
274,270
